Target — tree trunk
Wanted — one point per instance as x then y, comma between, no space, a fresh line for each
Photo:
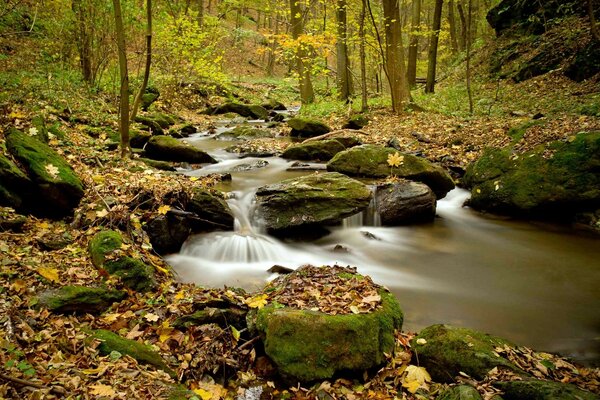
593,27
463,26
343,65
413,48
433,46
200,13
124,93
138,98
394,51
363,62
307,95
469,91
452,27
84,39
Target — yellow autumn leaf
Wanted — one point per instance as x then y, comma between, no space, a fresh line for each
415,378
258,301
164,209
395,160
151,317
180,295
204,394
103,390
164,332
49,273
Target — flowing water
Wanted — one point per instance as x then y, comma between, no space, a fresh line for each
538,286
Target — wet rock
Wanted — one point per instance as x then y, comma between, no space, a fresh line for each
371,161
460,392
310,201
369,235
405,202
246,132
49,177
105,252
321,150
139,138
167,233
166,148
307,128
79,299
279,269
340,249
445,351
533,389
245,110
211,212
558,180
250,166
300,166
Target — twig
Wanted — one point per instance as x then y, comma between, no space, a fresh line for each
248,343
23,382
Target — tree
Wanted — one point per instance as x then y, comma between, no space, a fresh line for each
124,74
138,98
468,38
363,57
344,76
593,27
452,27
413,47
433,46
307,94
394,55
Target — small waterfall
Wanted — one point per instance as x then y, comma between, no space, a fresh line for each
369,217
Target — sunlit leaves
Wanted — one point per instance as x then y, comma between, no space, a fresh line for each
258,301
52,170
415,378
49,273
395,160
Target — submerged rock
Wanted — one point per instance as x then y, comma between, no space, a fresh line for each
371,161
306,127
405,202
559,179
166,148
310,201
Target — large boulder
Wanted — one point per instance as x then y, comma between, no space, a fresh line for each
534,389
58,190
405,202
320,150
371,161
106,252
79,299
212,212
246,132
310,201
445,351
167,233
307,345
307,128
245,110
166,148
15,186
559,179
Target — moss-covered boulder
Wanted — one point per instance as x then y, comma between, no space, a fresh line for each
310,201
274,105
320,150
149,97
79,299
246,132
150,124
166,148
460,392
357,121
160,165
534,389
143,353
211,212
15,186
57,187
445,351
559,179
38,129
105,252
405,202
371,161
307,345
139,138
245,110
307,128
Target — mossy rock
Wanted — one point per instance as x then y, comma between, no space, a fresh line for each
321,150
307,127
147,100
460,392
275,105
152,125
449,350
79,299
245,110
308,345
59,188
357,121
138,138
160,165
533,389
166,148
15,186
371,161
559,179
310,201
142,353
213,212
246,132
41,131
133,272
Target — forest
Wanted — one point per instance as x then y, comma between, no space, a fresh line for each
300,199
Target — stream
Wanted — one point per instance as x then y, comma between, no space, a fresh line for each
537,285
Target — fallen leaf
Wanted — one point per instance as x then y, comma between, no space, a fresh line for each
415,378
103,390
164,209
49,273
258,301
151,317
52,170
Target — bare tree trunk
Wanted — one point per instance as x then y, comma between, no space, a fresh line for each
343,65
433,46
463,26
469,91
138,98
307,94
200,13
272,44
84,39
124,93
394,64
363,62
593,27
413,48
452,27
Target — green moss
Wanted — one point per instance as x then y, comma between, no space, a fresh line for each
307,127
134,273
533,389
167,148
103,244
79,299
143,353
308,345
460,392
322,150
42,131
517,133
448,350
